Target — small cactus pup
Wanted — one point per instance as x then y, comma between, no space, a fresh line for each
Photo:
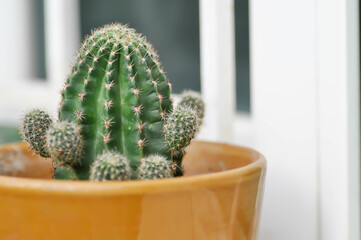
194,100
33,130
110,166
118,93
180,128
154,167
65,144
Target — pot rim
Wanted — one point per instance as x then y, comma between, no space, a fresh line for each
135,187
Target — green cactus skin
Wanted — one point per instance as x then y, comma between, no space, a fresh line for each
65,143
180,128
65,173
194,100
33,130
154,167
118,93
110,166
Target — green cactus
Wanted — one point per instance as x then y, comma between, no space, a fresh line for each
180,128
118,93
110,166
33,130
194,100
65,143
115,102
153,167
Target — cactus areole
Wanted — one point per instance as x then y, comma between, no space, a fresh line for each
118,93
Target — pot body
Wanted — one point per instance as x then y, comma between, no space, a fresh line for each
218,198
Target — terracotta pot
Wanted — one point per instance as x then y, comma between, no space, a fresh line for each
219,198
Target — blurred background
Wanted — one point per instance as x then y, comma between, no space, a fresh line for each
172,27
278,76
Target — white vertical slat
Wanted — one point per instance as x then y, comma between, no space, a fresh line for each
284,110
218,67
62,38
305,106
16,40
339,111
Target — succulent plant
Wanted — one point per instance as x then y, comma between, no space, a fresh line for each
194,100
110,166
155,166
180,128
65,143
33,130
115,102
118,93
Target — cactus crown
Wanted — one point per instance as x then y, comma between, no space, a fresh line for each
113,112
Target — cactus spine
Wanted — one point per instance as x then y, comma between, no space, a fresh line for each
118,93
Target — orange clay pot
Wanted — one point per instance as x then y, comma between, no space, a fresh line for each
218,198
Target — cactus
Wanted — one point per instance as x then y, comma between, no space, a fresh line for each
65,143
118,93
179,129
154,166
33,130
194,100
115,102
110,166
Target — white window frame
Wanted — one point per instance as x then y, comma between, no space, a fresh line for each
217,54
306,116
62,35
